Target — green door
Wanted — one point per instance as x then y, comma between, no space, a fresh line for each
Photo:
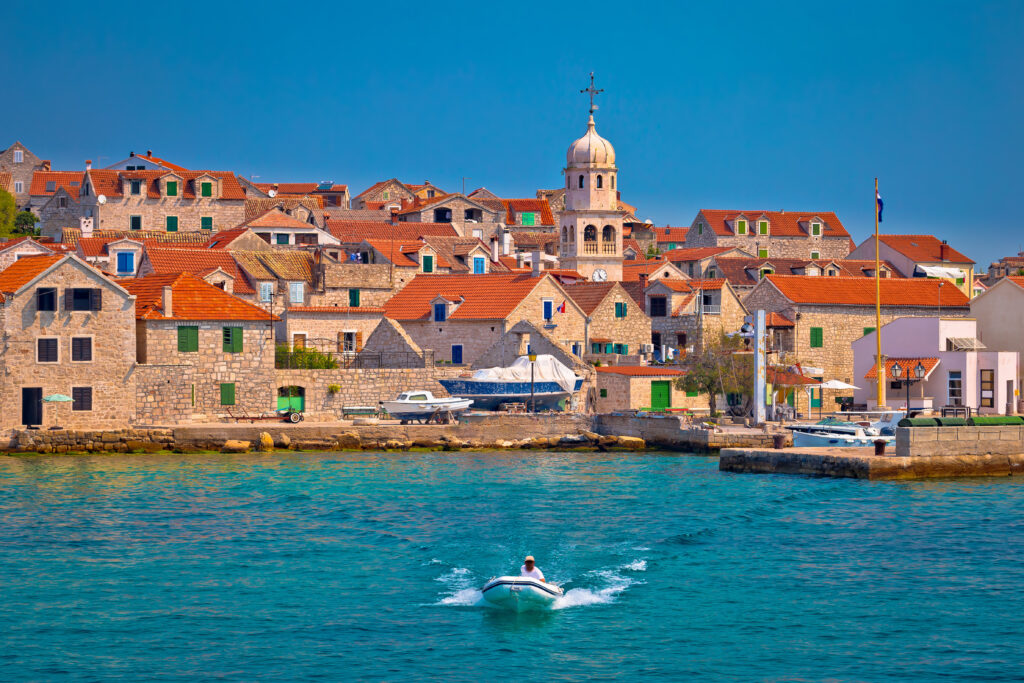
291,398
816,396
661,395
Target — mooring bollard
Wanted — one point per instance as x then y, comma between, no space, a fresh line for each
779,440
879,447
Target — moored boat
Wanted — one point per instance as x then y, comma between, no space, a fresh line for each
520,593
420,405
491,387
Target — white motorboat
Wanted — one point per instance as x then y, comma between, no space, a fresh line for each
421,405
848,434
520,593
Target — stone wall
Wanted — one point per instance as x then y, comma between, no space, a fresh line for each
325,331
116,213
829,247
375,281
623,392
21,172
669,432
960,441
633,330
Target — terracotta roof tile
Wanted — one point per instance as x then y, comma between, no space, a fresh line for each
924,249
69,180
22,271
693,253
781,223
108,182
632,270
773,319
257,206
485,297
6,181
641,370
275,218
907,365
191,299
589,295
347,310
162,162
860,291
223,238
273,265
72,235
669,234
356,231
167,260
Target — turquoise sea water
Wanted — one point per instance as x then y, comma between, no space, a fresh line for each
363,566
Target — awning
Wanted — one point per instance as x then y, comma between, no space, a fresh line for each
942,272
964,344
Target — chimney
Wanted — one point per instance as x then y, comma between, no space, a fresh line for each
535,262
506,242
643,280
494,249
942,251
131,154
519,259
88,164
166,304
46,165
149,152
85,225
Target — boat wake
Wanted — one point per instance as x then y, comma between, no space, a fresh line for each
610,583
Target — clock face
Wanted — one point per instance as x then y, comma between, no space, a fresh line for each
599,275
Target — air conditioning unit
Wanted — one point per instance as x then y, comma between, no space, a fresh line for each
648,348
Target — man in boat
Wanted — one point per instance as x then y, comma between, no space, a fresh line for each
530,569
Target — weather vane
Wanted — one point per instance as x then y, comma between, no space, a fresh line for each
593,91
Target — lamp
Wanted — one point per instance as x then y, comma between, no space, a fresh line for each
919,371
897,371
533,358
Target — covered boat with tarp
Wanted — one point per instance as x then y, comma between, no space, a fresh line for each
553,384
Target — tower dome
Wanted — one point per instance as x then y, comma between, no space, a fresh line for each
591,149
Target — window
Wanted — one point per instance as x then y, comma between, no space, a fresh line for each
125,263
135,222
549,309
581,182
528,218
81,398
700,228
386,195
595,347
959,281
765,271
296,292
172,188
348,342
613,182
188,339
815,255
428,263
620,309
815,229
430,194
19,156
299,340
711,273
19,187
51,185
305,238
681,340
609,348
817,338
440,312
62,202
622,349
82,299
206,189
227,394
762,253
172,224
266,291
232,339
281,239
135,186
671,246
604,393
206,222
954,388
81,349
353,298
988,386
741,227
868,330
762,228
658,306
47,350
600,182
479,265
46,299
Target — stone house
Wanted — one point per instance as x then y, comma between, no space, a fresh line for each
615,324
201,351
999,311
392,193
213,266
67,330
920,256
330,194
20,247
770,234
305,209
145,162
283,230
279,278
119,256
669,238
469,217
744,273
171,201
22,164
338,331
46,184
650,271
460,316
636,387
698,262
830,313
687,314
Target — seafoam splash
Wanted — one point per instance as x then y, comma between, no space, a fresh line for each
610,584
459,582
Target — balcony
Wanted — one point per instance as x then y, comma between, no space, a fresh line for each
590,247
608,247
711,309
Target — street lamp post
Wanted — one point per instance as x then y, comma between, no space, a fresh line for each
533,401
897,374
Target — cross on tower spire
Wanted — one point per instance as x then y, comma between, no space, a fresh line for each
593,91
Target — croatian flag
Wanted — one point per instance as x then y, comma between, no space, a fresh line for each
561,309
878,207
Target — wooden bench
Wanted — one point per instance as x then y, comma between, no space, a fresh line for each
360,411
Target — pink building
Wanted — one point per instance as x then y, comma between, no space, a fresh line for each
959,370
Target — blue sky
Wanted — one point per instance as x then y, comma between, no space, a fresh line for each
794,106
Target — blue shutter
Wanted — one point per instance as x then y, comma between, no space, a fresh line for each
549,310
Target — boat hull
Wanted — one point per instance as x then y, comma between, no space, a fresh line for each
420,410
520,594
489,395
835,440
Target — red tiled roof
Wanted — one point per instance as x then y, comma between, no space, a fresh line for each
860,291
7,244
397,251
690,285
629,242
773,319
71,181
641,370
275,218
6,181
335,309
108,182
669,234
692,253
924,249
168,260
224,238
299,188
517,206
357,231
162,162
191,299
632,270
745,271
1015,279
907,365
22,271
780,223
485,297
589,295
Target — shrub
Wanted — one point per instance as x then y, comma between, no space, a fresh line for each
302,359
333,388
990,420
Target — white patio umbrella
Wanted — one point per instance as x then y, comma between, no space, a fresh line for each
832,384
58,399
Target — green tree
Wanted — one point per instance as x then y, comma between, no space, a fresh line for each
7,211
653,251
25,223
724,366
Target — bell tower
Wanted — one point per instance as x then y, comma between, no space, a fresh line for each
590,236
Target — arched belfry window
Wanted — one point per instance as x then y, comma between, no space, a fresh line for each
608,234
590,234
581,182
565,234
613,182
600,182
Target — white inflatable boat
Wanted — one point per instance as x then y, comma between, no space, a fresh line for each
520,593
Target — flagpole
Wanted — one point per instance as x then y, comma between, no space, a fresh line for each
880,373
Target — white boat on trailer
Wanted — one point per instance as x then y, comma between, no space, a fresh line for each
423,405
846,435
520,593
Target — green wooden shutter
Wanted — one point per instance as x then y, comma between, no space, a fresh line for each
428,264
206,222
206,189
188,339
172,224
353,298
817,338
762,253
608,348
172,188
227,394
528,218
232,339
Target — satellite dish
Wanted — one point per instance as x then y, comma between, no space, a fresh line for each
649,222
272,193
102,199
599,275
